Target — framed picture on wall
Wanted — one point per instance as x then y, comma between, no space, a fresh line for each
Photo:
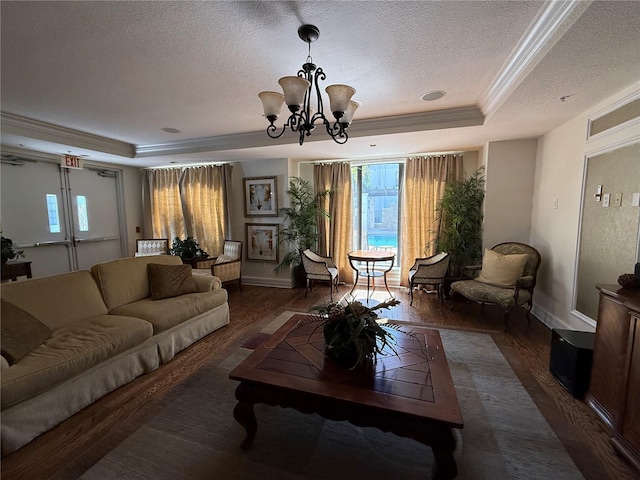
262,242
260,197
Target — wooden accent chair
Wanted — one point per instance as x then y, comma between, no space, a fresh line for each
507,282
151,246
429,271
319,268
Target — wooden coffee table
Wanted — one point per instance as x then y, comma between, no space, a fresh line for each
411,395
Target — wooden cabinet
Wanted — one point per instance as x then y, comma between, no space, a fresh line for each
13,269
614,390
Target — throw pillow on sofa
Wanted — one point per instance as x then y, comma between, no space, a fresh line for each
170,280
21,332
502,270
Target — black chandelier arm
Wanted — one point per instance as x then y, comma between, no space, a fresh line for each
295,122
272,129
319,75
337,131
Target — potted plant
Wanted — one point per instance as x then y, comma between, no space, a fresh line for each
9,252
187,249
302,218
460,215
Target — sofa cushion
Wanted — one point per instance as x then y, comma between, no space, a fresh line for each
168,281
69,351
501,270
168,312
125,280
57,300
21,332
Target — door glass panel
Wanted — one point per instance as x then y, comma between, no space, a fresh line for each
83,215
52,210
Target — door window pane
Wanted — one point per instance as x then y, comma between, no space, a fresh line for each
52,213
83,216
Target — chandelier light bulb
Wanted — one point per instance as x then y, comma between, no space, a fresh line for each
339,98
272,104
348,115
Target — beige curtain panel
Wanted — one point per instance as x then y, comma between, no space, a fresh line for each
192,201
335,233
424,182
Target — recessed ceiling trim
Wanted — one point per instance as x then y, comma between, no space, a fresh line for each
414,122
551,23
36,129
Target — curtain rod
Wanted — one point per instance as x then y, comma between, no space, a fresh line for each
390,158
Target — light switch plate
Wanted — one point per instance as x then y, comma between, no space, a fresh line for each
605,199
618,200
635,200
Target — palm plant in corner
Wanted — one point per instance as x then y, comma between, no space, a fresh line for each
301,232
354,335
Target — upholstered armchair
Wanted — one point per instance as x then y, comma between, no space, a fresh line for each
320,268
429,271
506,278
226,266
152,246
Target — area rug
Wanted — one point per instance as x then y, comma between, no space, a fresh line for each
195,435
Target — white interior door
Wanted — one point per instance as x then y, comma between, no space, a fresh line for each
39,212
94,200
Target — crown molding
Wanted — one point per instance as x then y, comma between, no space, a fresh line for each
551,23
414,122
434,120
49,132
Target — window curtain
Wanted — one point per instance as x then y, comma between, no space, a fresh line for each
201,192
162,205
335,232
424,182
191,201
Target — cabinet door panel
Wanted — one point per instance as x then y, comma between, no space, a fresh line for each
607,386
631,421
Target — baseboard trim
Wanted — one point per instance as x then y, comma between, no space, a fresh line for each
553,321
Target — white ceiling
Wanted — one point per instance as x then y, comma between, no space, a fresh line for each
104,78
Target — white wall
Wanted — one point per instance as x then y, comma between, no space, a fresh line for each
509,176
559,172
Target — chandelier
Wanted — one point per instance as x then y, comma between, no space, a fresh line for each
298,93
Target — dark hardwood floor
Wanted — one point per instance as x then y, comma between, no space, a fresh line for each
69,449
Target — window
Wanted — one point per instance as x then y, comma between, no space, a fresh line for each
52,213
376,208
83,215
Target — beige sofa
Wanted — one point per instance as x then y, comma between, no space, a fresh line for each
105,331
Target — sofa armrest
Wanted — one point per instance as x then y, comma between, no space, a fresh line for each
205,282
525,282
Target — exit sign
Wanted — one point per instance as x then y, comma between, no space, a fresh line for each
70,161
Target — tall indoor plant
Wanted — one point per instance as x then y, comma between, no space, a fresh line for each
460,215
301,218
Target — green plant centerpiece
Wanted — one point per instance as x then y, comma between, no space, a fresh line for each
353,333
301,218
187,249
460,215
9,251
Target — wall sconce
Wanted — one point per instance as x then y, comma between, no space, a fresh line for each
598,194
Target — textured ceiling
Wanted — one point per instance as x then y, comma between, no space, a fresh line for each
122,71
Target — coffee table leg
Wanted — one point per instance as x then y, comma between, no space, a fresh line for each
243,413
444,466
